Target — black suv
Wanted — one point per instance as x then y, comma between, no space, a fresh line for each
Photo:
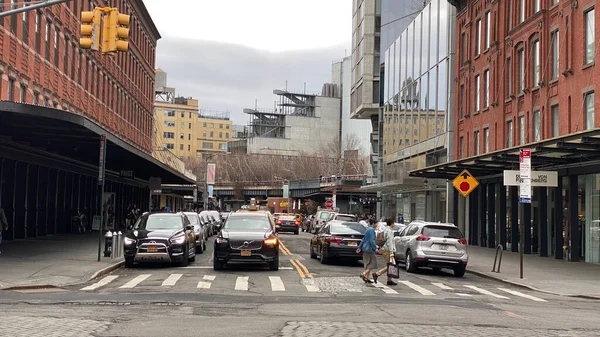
247,237
160,237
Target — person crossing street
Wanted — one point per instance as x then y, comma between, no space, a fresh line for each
368,248
388,250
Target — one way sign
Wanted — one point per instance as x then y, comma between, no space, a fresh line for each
465,183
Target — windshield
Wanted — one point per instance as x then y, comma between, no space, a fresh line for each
192,217
160,222
345,218
442,232
248,223
324,215
352,228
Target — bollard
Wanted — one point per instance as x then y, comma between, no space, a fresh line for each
119,244
108,244
114,244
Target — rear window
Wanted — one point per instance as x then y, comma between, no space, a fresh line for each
287,217
324,215
442,232
345,218
347,228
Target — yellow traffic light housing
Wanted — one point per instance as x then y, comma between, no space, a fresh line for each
90,30
116,32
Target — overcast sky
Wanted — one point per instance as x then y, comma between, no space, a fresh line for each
228,53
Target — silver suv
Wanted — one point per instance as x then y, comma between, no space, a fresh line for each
432,244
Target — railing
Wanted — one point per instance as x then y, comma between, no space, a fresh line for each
499,248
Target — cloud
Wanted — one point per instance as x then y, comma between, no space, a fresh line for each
228,77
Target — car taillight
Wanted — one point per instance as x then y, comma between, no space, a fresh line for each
463,241
279,222
297,223
334,239
422,238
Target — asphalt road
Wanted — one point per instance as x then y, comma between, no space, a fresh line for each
303,298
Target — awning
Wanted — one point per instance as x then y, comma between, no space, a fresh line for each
552,154
76,139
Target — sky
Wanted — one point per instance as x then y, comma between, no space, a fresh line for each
229,53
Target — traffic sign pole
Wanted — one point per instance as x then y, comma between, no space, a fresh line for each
524,198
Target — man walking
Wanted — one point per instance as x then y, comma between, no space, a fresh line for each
388,250
368,247
3,225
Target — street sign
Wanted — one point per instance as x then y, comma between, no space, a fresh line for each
195,193
101,165
329,204
525,175
538,178
465,183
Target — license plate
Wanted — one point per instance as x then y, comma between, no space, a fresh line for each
352,243
246,253
152,249
443,247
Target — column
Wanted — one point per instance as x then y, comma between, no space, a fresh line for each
573,209
559,241
491,215
42,202
502,215
473,218
454,195
20,200
543,221
527,227
32,200
514,218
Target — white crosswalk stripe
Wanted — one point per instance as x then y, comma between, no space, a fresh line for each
135,281
445,287
171,280
101,283
518,293
385,288
204,285
241,283
310,285
486,292
209,277
276,283
418,288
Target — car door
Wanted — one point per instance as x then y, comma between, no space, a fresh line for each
404,240
398,243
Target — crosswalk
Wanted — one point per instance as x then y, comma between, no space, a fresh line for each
277,284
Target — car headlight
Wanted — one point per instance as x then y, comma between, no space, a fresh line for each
222,240
178,239
270,241
128,241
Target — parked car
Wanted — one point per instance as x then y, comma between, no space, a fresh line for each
200,230
160,237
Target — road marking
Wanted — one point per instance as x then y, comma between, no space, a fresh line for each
300,272
285,250
286,268
101,283
209,277
199,267
135,281
304,269
204,285
276,283
463,295
418,288
442,286
310,285
511,314
385,288
517,293
171,280
241,283
486,292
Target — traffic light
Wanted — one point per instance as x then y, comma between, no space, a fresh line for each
117,32
90,30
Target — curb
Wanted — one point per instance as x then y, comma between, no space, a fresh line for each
525,286
97,274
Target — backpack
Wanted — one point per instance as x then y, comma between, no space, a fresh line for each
380,239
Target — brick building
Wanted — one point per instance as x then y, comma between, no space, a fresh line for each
525,79
41,63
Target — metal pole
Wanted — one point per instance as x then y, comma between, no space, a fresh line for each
32,7
522,244
101,191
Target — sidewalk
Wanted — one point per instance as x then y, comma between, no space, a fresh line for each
544,274
61,260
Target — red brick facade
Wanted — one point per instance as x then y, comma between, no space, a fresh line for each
41,63
557,95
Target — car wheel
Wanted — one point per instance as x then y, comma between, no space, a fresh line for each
297,232
204,246
274,265
186,256
313,255
324,260
217,265
193,258
460,271
128,263
410,267
199,249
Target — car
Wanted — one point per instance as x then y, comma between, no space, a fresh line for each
337,239
432,244
160,237
248,236
288,223
200,230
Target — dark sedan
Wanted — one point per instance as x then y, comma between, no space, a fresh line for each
160,237
247,237
337,240
288,223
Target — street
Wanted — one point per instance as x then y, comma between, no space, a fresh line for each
302,298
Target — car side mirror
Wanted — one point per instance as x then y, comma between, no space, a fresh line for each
189,227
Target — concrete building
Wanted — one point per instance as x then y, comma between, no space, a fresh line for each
58,103
525,76
302,123
182,128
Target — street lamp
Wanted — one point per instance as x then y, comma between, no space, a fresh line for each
206,156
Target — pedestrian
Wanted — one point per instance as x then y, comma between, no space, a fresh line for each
388,250
3,225
368,248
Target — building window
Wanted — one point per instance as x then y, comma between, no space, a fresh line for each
23,94
461,103
463,47
554,2
66,56
56,48
509,134
555,54
204,124
535,53
536,126
189,136
11,90
182,125
189,147
220,134
536,6
486,88
207,145
212,134
220,126
182,136
476,142
227,126
47,36
169,135
521,57
478,37
589,36
37,32
509,14
555,120
169,123
170,113
461,147
589,110
13,18
204,134
521,130
181,146
488,29
486,140
25,37
226,135
508,77
223,146
477,92
169,146
522,10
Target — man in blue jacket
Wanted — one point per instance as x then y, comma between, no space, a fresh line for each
368,248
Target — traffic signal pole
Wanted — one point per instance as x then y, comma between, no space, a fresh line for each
32,7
